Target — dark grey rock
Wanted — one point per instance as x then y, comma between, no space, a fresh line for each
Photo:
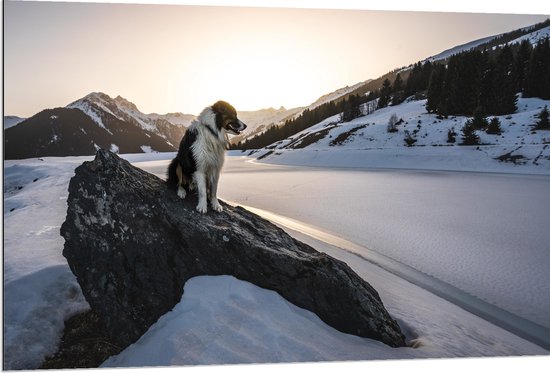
132,244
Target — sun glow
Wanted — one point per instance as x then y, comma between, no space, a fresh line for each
168,58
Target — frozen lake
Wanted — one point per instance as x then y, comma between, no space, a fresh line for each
484,233
481,233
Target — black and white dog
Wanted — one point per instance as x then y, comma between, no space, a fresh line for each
202,152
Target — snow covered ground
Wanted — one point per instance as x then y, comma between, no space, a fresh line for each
365,142
441,223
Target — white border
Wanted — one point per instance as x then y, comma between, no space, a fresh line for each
467,6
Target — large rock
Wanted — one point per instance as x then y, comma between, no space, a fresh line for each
132,244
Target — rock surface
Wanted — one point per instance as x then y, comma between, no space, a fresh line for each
132,244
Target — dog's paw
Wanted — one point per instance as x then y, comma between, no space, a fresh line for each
201,207
216,206
181,193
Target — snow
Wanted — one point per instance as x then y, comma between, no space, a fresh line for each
147,149
460,48
174,118
370,145
40,291
114,148
467,229
336,94
533,37
90,111
222,320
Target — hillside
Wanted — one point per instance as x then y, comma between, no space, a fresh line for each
485,74
366,142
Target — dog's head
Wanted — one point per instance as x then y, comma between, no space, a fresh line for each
226,118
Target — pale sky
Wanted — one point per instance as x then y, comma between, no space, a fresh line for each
169,58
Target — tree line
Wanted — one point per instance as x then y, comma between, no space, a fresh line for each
490,81
348,106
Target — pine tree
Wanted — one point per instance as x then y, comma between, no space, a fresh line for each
537,79
469,136
458,90
385,93
544,119
521,62
503,84
398,94
494,127
413,81
479,121
436,100
351,108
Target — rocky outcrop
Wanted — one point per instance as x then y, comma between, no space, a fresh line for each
132,244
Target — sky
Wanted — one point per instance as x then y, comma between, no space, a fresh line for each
181,58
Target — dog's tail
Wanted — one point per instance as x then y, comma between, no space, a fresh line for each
171,175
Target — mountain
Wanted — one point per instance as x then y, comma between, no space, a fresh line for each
259,120
70,131
99,121
415,80
100,107
92,122
11,120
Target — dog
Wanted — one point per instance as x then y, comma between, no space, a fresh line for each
201,154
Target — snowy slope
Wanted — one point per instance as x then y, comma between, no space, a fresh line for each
219,320
460,48
336,94
366,142
533,37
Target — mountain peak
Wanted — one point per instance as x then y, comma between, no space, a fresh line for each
124,102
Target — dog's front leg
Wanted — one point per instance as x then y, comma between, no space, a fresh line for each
200,182
214,193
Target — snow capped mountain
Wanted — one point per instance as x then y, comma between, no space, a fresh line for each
12,120
97,105
92,122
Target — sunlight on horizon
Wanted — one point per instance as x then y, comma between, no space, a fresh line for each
178,58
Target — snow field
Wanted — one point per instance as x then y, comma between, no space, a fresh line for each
222,319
